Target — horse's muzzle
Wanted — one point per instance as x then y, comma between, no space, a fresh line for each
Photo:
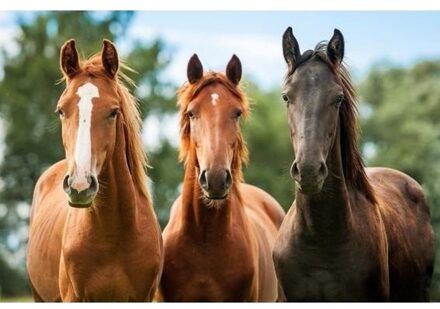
215,183
83,198
309,177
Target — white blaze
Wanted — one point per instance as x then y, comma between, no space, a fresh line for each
83,147
214,98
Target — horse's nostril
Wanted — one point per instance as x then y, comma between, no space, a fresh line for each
66,184
203,180
93,184
323,169
294,171
228,179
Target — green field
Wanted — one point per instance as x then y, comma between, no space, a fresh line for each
16,299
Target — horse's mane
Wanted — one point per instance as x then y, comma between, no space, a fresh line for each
136,157
187,93
353,165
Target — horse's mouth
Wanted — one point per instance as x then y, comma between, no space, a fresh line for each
80,204
309,189
81,199
216,195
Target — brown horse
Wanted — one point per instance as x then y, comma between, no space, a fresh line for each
221,231
93,233
352,234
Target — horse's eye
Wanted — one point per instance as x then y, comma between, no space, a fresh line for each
285,98
190,114
59,112
238,114
339,100
114,113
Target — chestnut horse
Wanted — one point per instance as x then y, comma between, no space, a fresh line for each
218,242
352,234
93,233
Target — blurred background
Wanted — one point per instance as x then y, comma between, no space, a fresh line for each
394,58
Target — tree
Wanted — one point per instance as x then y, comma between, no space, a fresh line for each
270,150
159,102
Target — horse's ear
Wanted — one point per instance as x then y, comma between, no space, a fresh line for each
335,48
69,60
291,50
194,71
233,70
110,59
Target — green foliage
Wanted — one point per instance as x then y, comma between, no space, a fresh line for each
267,136
12,282
404,128
167,175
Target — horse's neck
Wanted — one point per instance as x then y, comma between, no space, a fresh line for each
199,215
326,215
116,206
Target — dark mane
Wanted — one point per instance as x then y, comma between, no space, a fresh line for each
352,163
189,92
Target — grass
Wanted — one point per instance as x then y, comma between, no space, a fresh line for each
17,299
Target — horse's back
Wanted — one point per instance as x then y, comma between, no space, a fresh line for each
264,212
410,235
47,220
266,216
262,204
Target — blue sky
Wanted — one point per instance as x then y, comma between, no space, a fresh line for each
399,38
374,37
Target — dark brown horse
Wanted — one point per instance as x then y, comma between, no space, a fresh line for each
93,233
352,234
221,231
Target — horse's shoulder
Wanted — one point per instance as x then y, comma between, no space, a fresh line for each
50,176
261,201
175,213
175,207
47,181
256,193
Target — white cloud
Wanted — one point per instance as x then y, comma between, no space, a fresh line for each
7,35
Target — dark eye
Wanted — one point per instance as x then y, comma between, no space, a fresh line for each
114,113
339,100
190,114
238,114
285,98
59,112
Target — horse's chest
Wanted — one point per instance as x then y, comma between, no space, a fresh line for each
108,276
319,285
204,274
311,275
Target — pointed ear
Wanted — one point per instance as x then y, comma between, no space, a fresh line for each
233,70
194,71
291,50
69,60
335,48
110,59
